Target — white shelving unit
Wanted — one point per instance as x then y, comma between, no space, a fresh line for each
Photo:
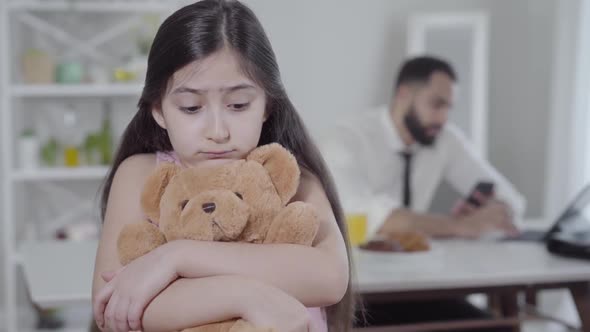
56,273
94,6
78,90
52,174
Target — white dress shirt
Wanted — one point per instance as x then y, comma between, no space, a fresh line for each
363,154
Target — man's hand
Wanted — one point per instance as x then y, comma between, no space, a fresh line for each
467,221
492,217
464,208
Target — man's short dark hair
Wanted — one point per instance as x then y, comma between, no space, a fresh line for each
419,69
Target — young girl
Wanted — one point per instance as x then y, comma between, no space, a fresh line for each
212,93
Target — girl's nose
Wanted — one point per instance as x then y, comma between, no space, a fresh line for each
217,130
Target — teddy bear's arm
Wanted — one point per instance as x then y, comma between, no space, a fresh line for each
297,223
229,326
138,239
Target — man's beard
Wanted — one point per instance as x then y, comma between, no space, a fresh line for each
418,131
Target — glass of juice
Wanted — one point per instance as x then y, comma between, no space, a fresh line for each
357,228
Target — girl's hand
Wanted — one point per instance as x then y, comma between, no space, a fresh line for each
274,308
120,304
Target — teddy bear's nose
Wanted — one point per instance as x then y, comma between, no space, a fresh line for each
208,207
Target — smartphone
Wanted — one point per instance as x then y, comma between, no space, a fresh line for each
483,187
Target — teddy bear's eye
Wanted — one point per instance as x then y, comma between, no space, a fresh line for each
183,204
239,196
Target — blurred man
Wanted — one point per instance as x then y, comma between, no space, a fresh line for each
388,163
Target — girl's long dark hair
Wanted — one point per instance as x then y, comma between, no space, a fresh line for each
193,33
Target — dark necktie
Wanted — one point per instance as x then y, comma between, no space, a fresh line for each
407,156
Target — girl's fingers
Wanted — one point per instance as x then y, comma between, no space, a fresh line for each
109,314
100,303
121,313
135,314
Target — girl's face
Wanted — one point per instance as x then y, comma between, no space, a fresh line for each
213,112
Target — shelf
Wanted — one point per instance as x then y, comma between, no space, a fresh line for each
80,173
77,90
58,273
92,6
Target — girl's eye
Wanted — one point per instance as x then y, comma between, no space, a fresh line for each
190,110
239,107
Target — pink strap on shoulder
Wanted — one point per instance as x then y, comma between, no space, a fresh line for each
167,157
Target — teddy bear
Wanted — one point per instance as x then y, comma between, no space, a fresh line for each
247,200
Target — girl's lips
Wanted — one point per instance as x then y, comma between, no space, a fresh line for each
217,154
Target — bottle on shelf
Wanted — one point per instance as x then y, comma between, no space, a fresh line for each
98,146
49,152
71,138
106,136
28,149
37,67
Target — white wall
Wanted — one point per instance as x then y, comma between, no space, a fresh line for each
521,66
340,57
569,144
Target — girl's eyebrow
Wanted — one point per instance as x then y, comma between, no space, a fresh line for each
185,89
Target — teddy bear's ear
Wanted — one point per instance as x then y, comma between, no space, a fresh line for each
154,188
282,167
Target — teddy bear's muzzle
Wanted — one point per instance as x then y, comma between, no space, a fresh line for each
215,215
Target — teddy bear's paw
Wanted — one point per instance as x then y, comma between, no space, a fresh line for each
297,223
243,326
138,239
214,327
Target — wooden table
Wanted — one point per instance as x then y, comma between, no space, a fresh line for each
458,268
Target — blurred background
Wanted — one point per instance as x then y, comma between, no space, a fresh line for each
71,73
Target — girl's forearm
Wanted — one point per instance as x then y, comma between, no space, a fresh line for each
193,302
315,277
